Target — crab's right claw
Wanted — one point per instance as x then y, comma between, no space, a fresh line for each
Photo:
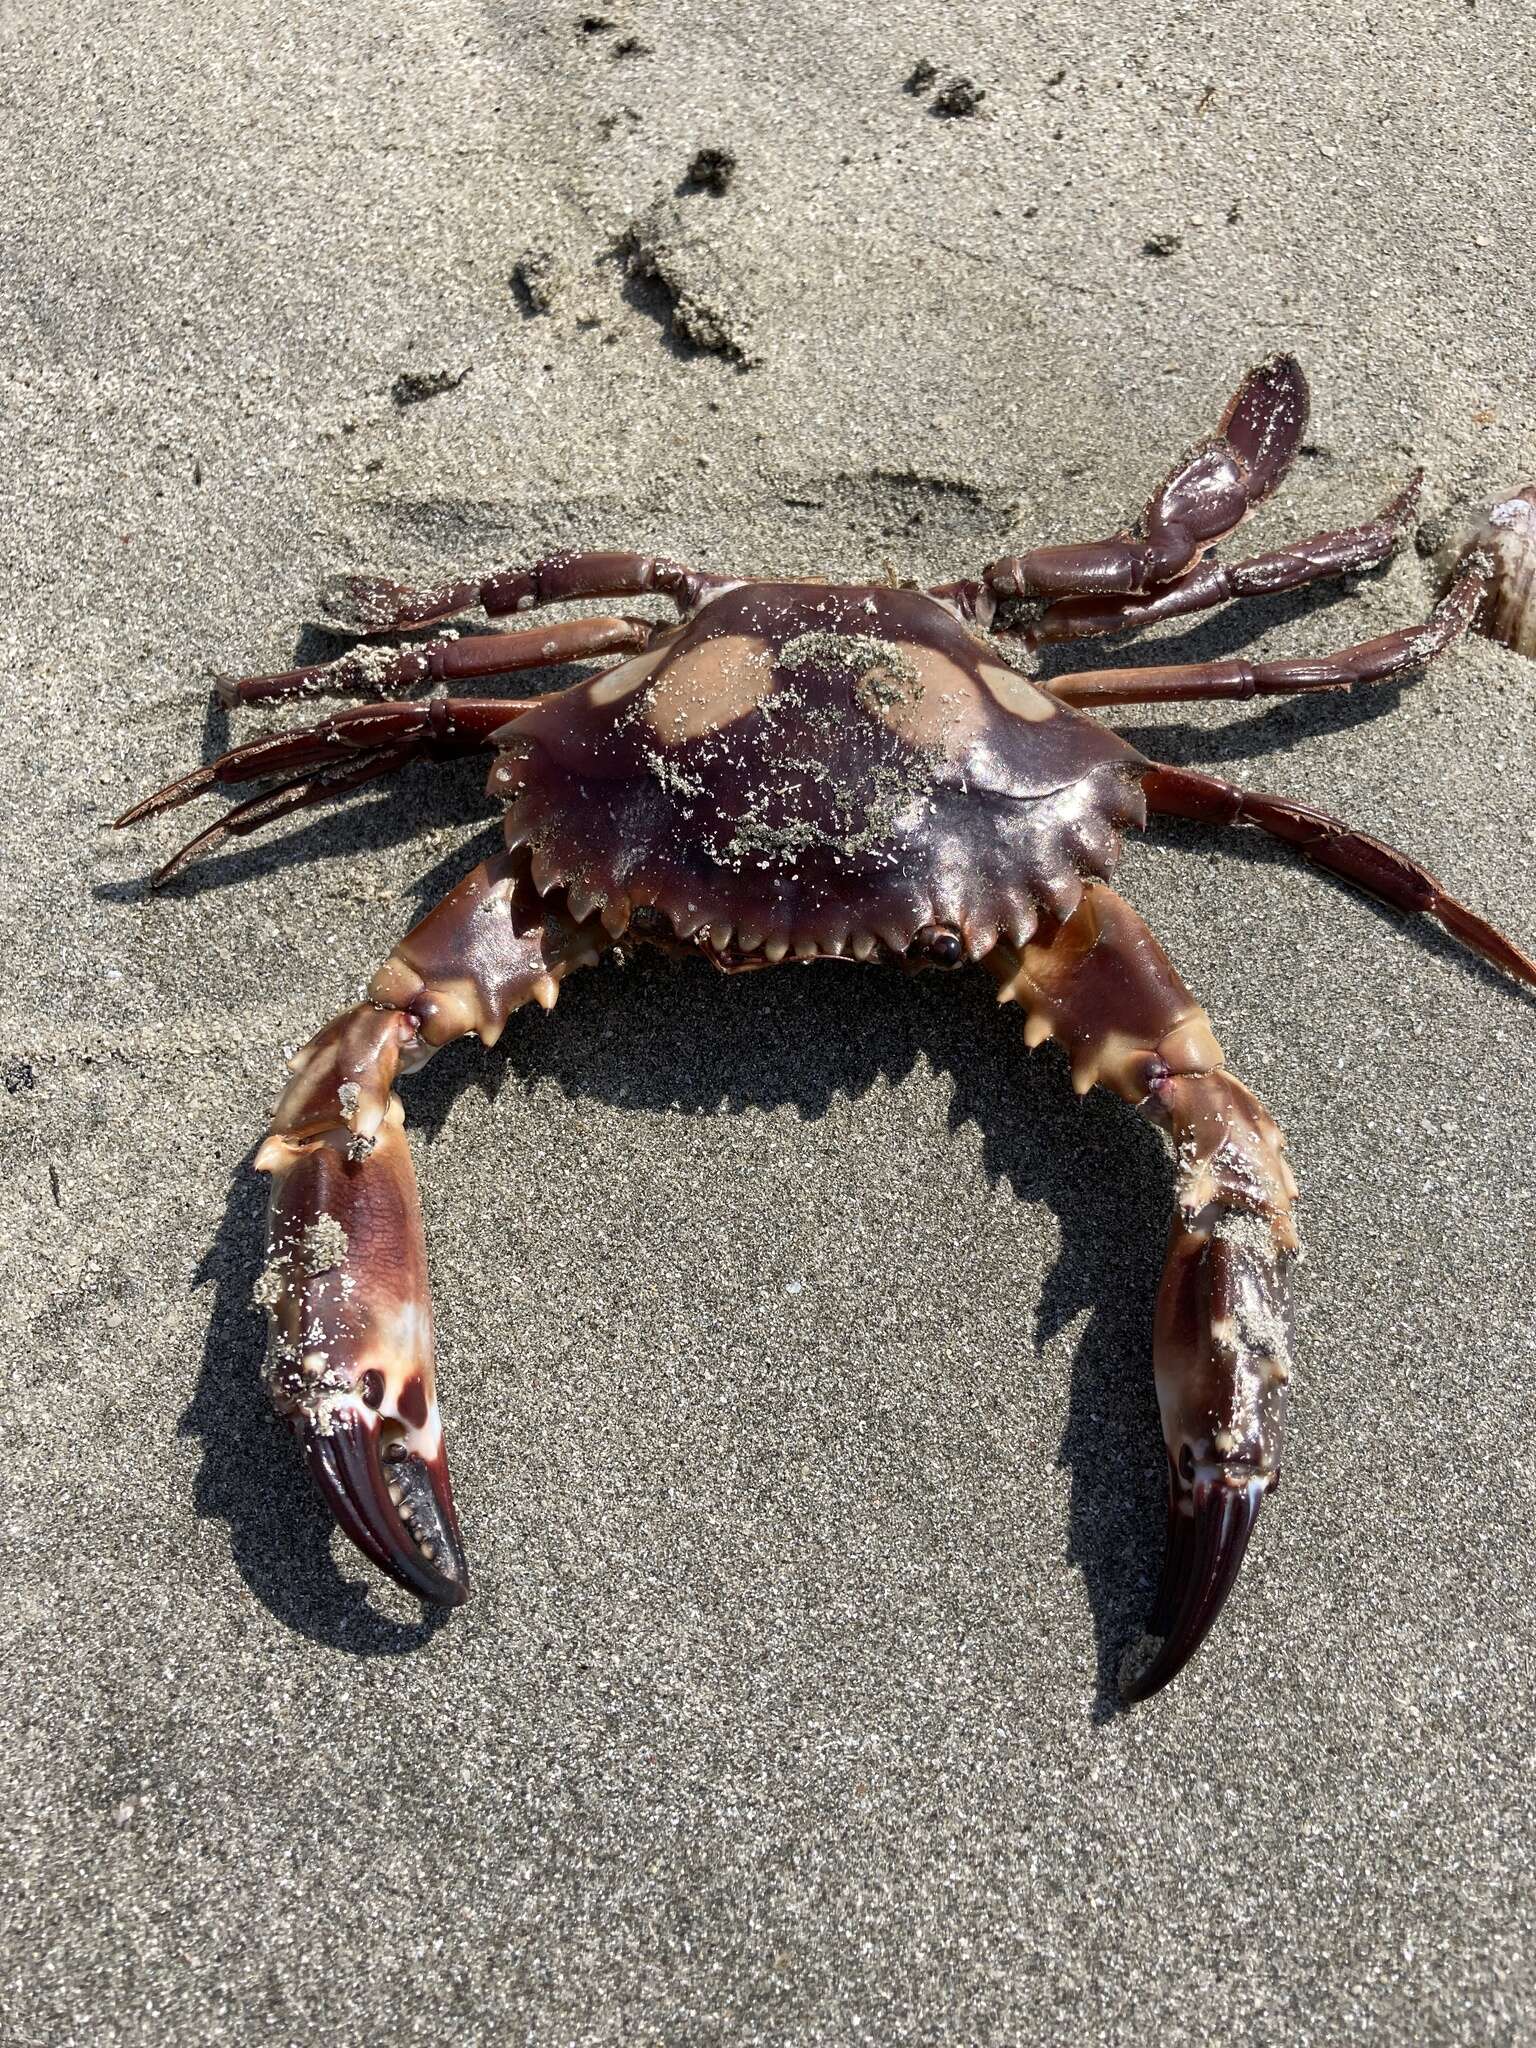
1222,1356
350,1365
1221,1343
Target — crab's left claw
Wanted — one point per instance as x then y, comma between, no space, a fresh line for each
346,1277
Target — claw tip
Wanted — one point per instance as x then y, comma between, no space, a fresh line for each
1208,1531
1138,1663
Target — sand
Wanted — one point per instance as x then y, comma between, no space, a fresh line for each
794,1330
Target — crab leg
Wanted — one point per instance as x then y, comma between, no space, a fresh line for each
1330,844
1221,1344
391,672
1368,661
1210,492
326,761
351,1363
369,604
1348,551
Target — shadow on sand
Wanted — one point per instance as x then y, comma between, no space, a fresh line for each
797,1040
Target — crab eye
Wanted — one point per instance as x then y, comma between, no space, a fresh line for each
939,943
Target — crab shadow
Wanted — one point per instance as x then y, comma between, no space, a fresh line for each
696,1042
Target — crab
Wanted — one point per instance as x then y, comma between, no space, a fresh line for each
800,771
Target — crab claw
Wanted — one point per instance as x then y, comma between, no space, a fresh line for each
1209,1522
394,1504
345,1284
1222,1356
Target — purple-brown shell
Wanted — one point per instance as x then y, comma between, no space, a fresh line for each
817,769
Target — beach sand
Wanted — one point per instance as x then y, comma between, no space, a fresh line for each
794,1329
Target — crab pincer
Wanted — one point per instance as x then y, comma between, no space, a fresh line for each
350,1360
1221,1354
1101,985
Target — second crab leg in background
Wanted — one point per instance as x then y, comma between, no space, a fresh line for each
1328,843
373,604
1381,660
319,763
1345,551
369,671
1209,493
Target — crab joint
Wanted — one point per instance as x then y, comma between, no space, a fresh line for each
1098,984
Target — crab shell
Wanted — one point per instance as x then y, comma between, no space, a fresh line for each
810,769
